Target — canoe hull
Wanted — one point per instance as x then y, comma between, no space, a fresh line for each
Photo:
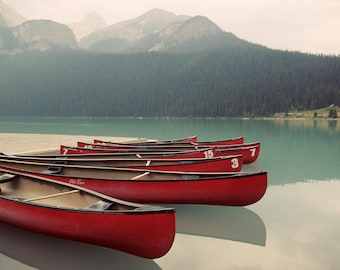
116,231
160,147
190,141
77,151
236,191
249,152
218,164
75,213
230,164
231,190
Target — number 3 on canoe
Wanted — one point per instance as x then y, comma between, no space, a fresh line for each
234,163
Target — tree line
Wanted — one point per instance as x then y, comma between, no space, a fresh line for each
227,82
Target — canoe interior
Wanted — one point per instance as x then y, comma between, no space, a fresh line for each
113,162
105,173
48,193
97,153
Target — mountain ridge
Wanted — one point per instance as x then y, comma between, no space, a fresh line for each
145,33
133,29
8,16
36,35
154,31
87,25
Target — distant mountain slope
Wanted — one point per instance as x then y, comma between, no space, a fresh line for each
155,31
195,34
160,30
134,29
3,22
8,16
87,25
36,35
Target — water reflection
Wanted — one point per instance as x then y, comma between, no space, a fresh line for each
320,124
302,223
332,125
50,253
296,150
229,223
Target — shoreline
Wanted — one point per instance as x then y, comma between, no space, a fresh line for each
19,143
293,116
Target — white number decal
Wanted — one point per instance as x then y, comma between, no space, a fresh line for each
65,151
253,151
234,163
209,153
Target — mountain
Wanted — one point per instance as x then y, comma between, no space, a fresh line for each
8,16
161,31
19,35
201,71
87,25
36,35
132,30
195,34
155,31
3,22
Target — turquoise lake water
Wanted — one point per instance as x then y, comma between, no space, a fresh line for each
296,225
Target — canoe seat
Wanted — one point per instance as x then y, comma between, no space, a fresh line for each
99,205
183,162
53,169
190,177
6,177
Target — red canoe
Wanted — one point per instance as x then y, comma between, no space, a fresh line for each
249,151
190,139
193,153
162,144
234,189
215,164
84,153
71,212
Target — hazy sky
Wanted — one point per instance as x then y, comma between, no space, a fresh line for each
304,25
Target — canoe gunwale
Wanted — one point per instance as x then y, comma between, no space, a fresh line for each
186,175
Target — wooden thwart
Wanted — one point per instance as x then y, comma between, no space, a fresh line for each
139,176
52,195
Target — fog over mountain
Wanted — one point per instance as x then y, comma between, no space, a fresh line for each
18,35
36,35
304,25
156,30
134,29
159,30
156,64
8,16
87,25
